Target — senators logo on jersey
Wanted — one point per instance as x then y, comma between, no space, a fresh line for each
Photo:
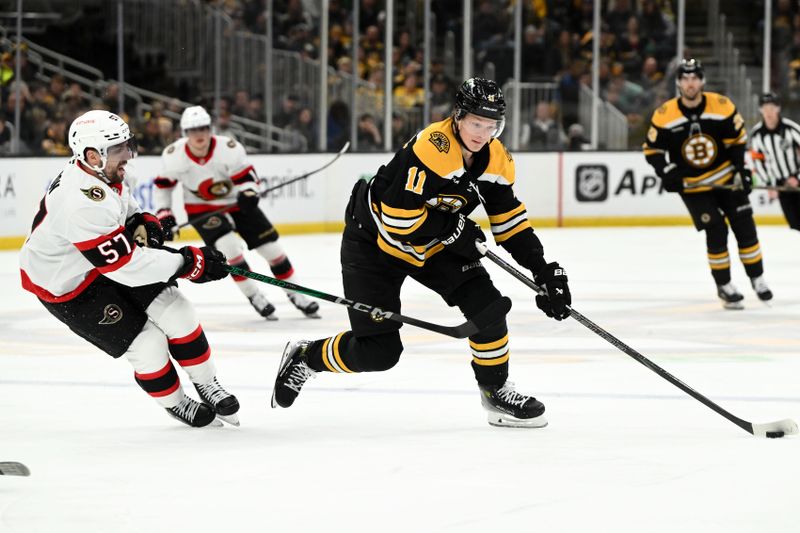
211,190
94,193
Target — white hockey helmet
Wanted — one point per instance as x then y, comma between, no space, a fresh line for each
194,117
99,130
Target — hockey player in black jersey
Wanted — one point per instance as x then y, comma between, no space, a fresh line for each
410,219
698,140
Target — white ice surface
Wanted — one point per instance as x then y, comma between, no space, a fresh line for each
410,449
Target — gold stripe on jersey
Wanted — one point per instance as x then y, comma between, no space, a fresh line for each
506,225
401,213
719,261
651,151
324,355
717,105
740,139
501,165
490,353
438,149
668,115
719,176
402,225
415,255
750,255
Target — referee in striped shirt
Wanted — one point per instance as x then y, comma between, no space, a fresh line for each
774,143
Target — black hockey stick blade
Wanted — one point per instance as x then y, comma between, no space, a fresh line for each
13,468
487,316
770,430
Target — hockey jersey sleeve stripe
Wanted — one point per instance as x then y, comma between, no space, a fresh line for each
401,213
164,183
740,139
403,227
522,226
502,217
248,174
45,295
93,243
119,263
651,151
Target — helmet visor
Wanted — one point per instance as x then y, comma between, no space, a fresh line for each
124,150
482,126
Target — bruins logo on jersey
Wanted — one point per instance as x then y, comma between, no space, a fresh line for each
440,141
94,193
699,150
210,189
449,203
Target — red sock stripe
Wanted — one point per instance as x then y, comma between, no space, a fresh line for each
161,383
188,338
282,269
197,360
239,262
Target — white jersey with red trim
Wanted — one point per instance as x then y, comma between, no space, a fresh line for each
79,234
208,182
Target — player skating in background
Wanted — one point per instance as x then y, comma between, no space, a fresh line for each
698,139
411,220
83,262
774,143
214,173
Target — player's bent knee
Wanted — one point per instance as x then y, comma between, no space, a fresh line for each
379,353
230,245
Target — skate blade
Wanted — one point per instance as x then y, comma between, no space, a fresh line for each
229,419
312,315
271,318
214,423
733,306
502,420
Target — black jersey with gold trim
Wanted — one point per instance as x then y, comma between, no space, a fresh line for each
706,143
413,200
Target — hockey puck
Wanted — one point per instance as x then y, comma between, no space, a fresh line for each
775,434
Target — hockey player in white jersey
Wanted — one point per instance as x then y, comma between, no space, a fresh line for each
214,173
94,260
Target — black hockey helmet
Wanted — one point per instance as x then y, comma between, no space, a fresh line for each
769,98
481,97
690,66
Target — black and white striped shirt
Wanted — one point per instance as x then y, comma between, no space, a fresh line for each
775,151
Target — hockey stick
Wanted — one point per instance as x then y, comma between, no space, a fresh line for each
770,430
484,318
12,468
263,193
779,188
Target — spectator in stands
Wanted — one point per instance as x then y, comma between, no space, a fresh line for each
110,97
288,111
631,48
305,125
618,16
255,108
222,125
75,103
409,94
543,133
338,125
369,136
404,49
149,140
293,15
241,100
441,92
370,15
5,136
400,131
576,140
372,42
55,138
653,22
489,25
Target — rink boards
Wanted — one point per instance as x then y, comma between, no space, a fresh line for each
559,189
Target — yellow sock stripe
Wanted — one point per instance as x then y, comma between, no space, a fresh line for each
486,346
721,255
491,362
752,260
749,249
720,266
325,355
336,353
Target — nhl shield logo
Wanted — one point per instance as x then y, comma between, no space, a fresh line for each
591,183
111,315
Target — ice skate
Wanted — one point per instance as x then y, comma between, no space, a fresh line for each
221,401
306,306
508,408
262,306
730,296
193,413
761,288
292,374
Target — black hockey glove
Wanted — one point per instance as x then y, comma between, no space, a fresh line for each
672,181
145,229
202,264
247,200
553,279
168,222
743,181
461,239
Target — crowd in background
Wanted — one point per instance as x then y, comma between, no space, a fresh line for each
636,43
